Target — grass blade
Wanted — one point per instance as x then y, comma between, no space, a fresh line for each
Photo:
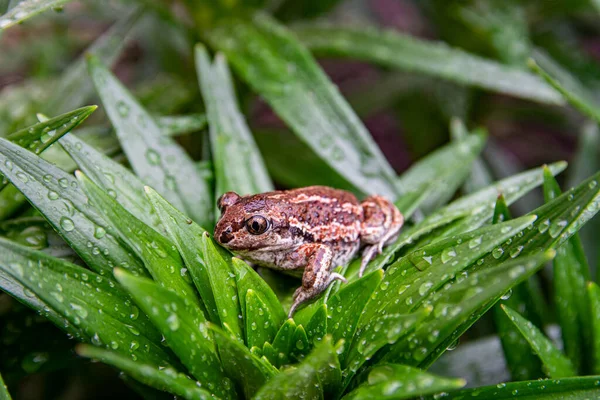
155,158
27,9
593,292
182,324
410,54
555,364
302,95
4,395
58,197
176,125
393,381
229,133
443,171
93,304
166,379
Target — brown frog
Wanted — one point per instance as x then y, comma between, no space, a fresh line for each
312,229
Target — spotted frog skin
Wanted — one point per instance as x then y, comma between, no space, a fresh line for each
312,229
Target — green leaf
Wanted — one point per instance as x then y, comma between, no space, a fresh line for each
458,307
471,211
393,381
112,177
278,352
284,73
182,325
248,371
260,325
4,395
100,311
579,388
346,306
318,375
211,270
58,197
27,9
501,211
155,158
593,292
410,54
39,137
571,273
316,328
443,170
166,379
159,257
555,364
229,133
582,101
175,125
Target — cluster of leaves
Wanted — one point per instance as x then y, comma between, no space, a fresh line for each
134,275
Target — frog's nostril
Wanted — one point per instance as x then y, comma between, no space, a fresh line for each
226,235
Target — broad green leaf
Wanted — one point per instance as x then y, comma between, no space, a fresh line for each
182,325
229,133
58,197
316,328
394,381
113,178
167,379
39,137
555,364
471,211
175,125
593,292
571,273
260,325
318,375
378,332
158,254
284,73
458,307
579,388
269,308
582,101
156,159
4,395
278,352
443,171
244,368
91,303
410,54
346,306
27,9
301,344
521,362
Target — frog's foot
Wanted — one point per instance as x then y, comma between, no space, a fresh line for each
303,294
380,227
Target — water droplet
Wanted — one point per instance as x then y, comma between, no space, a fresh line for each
67,224
507,295
122,108
448,254
557,227
173,322
544,225
475,242
300,344
99,232
592,184
514,252
47,178
22,177
424,288
497,252
153,157
52,195
63,182
385,285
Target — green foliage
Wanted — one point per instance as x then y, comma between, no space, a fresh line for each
119,255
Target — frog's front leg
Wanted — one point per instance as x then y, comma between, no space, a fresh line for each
316,259
381,224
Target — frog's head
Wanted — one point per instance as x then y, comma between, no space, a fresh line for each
248,223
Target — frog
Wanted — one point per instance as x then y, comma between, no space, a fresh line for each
306,232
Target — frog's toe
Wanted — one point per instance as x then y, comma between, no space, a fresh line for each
334,276
300,296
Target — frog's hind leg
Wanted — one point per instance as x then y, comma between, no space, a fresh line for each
380,227
317,273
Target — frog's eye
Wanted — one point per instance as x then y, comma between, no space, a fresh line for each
257,224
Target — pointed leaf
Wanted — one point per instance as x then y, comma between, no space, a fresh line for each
155,158
316,328
410,54
302,95
93,304
159,257
501,211
579,388
260,325
182,325
27,9
394,381
114,178
229,133
244,368
317,375
279,351
555,363
58,197
593,292
4,395
166,379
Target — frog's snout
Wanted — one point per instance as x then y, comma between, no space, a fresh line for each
226,235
